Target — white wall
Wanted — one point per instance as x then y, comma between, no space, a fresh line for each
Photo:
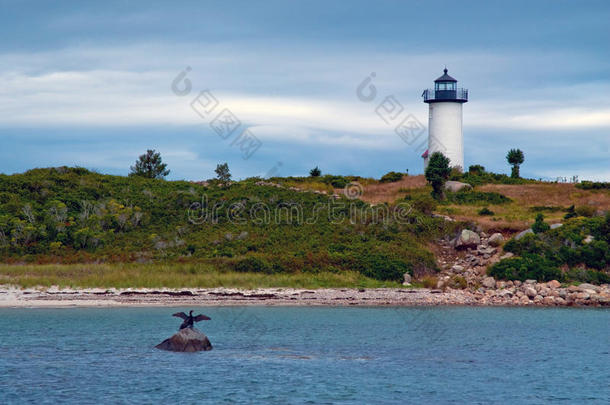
445,131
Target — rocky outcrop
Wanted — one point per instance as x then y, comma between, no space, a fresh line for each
467,239
496,239
455,186
464,267
523,233
186,340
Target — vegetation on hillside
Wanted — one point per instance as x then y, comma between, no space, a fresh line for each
577,251
72,215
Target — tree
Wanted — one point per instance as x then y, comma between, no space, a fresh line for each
540,226
515,158
476,170
149,165
437,173
315,172
222,173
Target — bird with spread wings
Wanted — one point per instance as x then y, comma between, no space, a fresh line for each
189,319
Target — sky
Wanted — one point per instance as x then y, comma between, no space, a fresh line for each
95,84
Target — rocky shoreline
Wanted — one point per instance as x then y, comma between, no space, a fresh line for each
464,261
525,294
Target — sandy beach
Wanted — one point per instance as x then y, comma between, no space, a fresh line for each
95,297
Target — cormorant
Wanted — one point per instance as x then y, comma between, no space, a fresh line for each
190,319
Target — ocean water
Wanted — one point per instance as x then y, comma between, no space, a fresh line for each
308,355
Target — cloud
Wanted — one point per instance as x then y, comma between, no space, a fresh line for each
304,99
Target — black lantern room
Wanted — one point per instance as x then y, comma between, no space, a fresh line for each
445,90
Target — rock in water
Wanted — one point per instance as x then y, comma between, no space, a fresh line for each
186,340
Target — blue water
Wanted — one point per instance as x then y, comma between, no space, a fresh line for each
308,355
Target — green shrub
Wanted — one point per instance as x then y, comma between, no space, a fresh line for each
571,213
585,211
315,172
540,226
593,185
528,267
253,265
476,197
423,203
335,181
486,211
476,170
456,173
391,177
381,266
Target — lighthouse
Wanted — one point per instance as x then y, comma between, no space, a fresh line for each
445,120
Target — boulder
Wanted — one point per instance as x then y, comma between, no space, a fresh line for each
186,340
588,239
455,186
457,268
496,239
466,239
555,226
585,287
407,278
506,255
488,282
554,284
530,292
523,233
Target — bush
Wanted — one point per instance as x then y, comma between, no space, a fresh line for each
381,266
437,173
457,282
476,197
571,213
540,226
593,185
429,281
456,173
391,177
253,265
315,172
486,211
585,211
335,181
476,170
528,267
423,203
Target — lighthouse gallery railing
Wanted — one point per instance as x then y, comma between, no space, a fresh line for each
459,94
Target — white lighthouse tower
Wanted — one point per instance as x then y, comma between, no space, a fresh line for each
445,120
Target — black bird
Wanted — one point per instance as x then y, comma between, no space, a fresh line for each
189,319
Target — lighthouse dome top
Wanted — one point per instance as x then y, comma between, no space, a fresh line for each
445,77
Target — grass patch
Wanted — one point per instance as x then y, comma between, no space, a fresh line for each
173,276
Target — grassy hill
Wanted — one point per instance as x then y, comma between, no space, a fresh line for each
74,216
71,226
